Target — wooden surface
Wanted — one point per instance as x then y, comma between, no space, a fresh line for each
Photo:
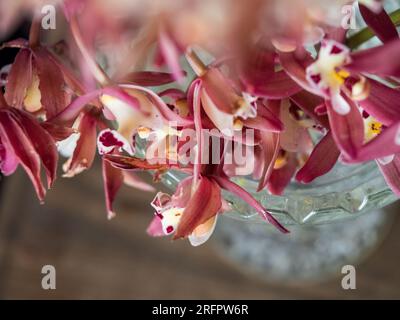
95,258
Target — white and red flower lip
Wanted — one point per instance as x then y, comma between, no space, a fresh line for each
109,141
327,75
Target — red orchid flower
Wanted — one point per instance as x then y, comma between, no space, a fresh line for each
25,142
35,82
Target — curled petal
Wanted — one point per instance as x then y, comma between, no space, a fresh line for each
85,149
172,93
222,120
122,96
203,232
204,204
228,185
321,160
112,179
72,111
160,105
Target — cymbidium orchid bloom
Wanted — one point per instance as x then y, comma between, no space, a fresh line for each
23,141
129,86
35,81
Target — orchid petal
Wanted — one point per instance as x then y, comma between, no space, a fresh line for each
294,138
150,78
42,141
280,178
204,204
8,160
23,149
160,105
308,103
265,120
391,173
19,79
238,191
271,146
203,232
385,144
380,23
277,86
171,55
347,130
132,163
51,83
58,132
19,43
85,149
75,107
383,103
155,229
112,179
322,159
222,120
295,66
132,180
389,53
199,135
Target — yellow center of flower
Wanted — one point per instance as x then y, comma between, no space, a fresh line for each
340,76
182,107
237,124
372,128
280,162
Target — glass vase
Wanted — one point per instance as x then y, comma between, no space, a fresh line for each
334,221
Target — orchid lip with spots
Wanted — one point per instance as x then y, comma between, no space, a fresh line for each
220,98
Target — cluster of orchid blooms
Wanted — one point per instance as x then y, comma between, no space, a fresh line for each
285,82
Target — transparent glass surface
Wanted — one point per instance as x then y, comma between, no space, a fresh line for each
334,221
345,192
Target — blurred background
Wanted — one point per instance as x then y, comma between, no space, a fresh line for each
100,259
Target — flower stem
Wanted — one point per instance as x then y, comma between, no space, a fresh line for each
366,34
